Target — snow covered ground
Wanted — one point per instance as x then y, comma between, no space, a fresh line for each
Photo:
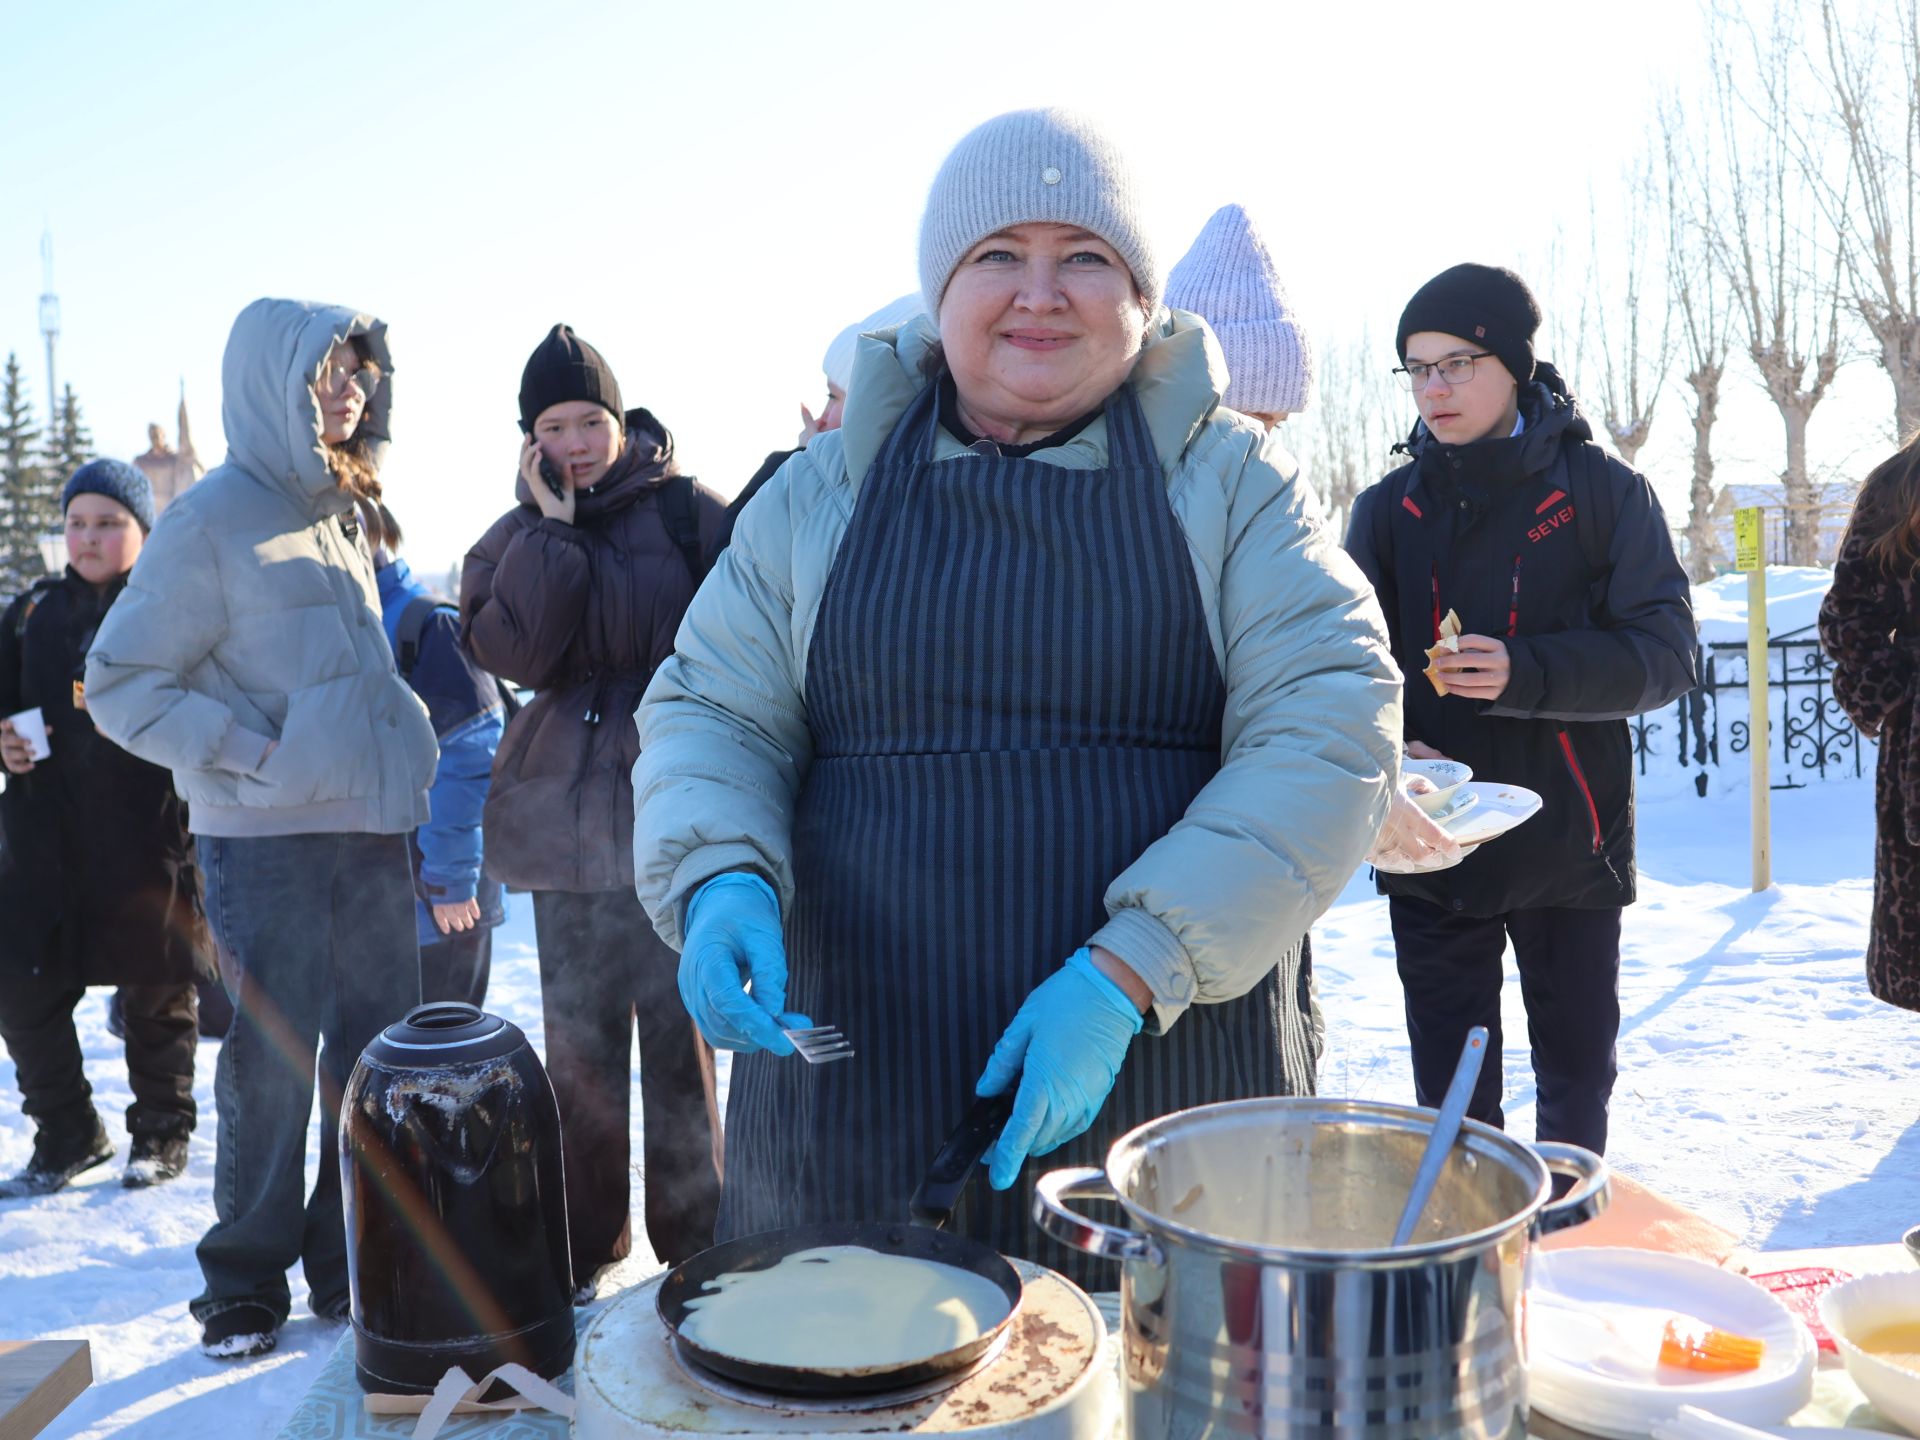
1759,1084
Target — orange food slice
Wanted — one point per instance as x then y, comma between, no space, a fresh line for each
1701,1347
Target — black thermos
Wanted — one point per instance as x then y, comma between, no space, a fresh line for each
455,1204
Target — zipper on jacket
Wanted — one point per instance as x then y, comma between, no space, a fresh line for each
1580,781
1513,605
1436,603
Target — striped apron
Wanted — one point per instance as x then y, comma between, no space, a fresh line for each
1012,695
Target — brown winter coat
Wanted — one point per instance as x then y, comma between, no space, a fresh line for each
1870,625
582,614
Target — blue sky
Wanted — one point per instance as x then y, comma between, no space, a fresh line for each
709,192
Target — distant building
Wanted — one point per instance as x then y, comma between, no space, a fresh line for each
171,468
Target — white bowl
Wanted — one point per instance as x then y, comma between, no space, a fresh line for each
1446,776
1864,1305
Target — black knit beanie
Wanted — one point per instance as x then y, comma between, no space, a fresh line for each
564,367
1477,302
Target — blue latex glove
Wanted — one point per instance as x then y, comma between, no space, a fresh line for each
732,938
1065,1047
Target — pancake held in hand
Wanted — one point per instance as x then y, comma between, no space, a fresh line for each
843,1307
1448,644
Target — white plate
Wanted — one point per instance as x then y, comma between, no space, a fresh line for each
1566,1340
1479,811
1498,809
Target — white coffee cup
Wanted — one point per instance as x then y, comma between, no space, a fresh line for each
31,726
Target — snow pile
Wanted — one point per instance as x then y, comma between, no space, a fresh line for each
1794,593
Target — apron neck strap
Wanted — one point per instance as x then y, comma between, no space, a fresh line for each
1129,443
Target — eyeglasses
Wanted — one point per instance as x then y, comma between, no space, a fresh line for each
1455,370
336,378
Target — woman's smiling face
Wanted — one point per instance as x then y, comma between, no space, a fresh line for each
1040,323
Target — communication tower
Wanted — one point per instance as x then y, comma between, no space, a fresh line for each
49,320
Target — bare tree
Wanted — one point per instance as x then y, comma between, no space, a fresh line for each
1629,309
1698,288
1770,239
1881,136
1345,439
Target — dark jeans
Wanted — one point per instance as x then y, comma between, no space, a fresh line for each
1570,981
318,949
36,1021
458,967
601,968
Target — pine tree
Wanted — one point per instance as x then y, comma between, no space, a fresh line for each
69,443
20,482
68,446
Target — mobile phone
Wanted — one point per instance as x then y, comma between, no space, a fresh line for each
552,477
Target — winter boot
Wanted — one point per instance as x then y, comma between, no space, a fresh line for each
239,1333
57,1159
117,1015
154,1160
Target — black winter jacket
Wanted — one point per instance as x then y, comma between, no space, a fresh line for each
1547,542
583,614
97,873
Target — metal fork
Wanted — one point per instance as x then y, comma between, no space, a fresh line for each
821,1045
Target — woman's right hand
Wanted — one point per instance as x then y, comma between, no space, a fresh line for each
15,753
554,507
733,966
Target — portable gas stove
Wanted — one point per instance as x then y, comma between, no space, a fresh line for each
1053,1378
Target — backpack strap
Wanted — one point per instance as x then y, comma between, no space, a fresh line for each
1593,512
413,623
406,651
683,523
36,592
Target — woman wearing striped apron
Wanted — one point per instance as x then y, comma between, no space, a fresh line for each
1031,710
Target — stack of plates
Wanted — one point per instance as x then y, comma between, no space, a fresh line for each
1594,1318
1476,811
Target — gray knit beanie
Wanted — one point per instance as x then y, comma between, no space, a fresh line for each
1228,279
1028,166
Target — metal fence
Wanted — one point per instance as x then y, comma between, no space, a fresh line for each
1814,738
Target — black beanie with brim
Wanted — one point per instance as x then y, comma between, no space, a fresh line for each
1483,303
564,367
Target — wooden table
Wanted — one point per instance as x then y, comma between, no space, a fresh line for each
39,1379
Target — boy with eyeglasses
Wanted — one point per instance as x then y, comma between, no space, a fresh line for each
1575,614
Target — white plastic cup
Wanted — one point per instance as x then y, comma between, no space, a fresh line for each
31,726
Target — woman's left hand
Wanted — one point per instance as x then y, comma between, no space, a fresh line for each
1411,836
1065,1047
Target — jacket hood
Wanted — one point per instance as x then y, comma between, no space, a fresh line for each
647,460
272,420
1178,379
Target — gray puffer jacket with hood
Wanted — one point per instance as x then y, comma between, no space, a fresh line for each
253,616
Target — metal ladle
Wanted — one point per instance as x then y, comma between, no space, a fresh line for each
1446,1129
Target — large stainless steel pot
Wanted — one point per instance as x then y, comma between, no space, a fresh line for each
1261,1296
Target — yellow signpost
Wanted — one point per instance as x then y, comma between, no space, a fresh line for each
1748,543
